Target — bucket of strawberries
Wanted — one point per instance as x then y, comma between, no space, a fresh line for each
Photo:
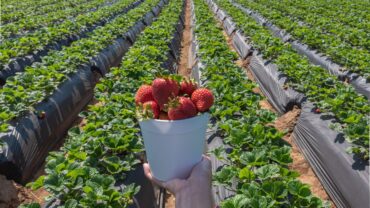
173,119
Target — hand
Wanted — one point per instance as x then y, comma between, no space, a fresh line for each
196,191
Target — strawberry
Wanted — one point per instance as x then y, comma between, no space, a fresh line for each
202,99
187,87
174,86
317,110
150,109
144,94
163,90
163,116
181,108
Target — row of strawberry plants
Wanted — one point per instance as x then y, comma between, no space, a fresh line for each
28,5
257,167
354,36
330,95
39,81
29,24
96,159
348,48
37,41
27,12
351,13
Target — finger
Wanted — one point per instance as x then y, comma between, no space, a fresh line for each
149,175
147,171
206,157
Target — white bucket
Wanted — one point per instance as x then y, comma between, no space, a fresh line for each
174,147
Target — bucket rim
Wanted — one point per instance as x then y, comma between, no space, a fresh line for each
173,121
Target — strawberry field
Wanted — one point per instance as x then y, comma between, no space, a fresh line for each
286,85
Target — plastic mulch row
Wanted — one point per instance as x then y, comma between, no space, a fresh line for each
20,63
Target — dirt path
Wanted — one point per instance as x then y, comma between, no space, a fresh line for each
12,194
184,68
287,122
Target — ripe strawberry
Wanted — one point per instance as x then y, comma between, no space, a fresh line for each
181,108
202,99
187,87
163,116
163,90
317,110
174,86
144,94
150,109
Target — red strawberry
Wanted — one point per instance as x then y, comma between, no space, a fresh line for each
150,109
163,116
187,87
317,110
202,99
163,90
181,108
144,94
174,86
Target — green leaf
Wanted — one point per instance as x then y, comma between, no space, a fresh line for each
276,189
37,184
246,174
32,205
71,203
268,171
254,158
281,155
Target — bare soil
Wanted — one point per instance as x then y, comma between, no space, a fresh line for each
170,201
12,194
184,67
